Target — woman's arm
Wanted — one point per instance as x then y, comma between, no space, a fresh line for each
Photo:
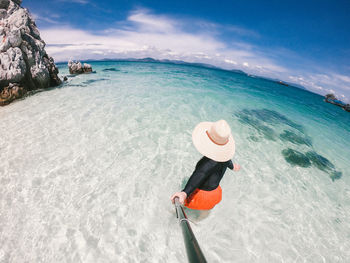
236,167
181,195
200,174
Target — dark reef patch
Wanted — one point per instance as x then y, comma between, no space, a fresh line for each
77,85
90,81
265,130
324,164
311,158
110,69
292,137
296,158
320,162
271,117
335,175
253,138
266,122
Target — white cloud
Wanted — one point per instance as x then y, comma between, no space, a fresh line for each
151,23
242,31
230,61
156,36
342,77
144,34
51,19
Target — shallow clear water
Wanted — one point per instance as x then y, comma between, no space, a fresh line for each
86,170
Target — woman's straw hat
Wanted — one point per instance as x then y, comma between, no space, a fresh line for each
214,140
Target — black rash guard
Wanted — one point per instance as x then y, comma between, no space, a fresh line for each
207,175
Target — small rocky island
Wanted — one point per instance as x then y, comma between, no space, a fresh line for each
24,63
79,68
330,98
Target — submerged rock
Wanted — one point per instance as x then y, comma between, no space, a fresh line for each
246,118
323,164
90,81
294,138
110,69
78,68
320,162
296,158
272,117
311,158
335,175
24,63
265,121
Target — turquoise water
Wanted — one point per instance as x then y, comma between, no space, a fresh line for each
87,169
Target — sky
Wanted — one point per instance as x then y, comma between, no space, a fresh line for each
302,42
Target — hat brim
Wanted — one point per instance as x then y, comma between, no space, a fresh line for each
219,153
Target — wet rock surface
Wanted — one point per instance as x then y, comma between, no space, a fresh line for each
12,92
76,67
24,63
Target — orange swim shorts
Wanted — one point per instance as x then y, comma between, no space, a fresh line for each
204,200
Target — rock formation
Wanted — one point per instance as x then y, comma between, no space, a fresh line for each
24,63
78,68
330,98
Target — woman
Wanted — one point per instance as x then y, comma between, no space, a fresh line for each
214,140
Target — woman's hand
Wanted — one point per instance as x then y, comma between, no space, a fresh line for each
236,167
181,195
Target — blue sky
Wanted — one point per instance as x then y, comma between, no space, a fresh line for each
305,42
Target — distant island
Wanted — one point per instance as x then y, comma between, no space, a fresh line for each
166,61
194,64
330,98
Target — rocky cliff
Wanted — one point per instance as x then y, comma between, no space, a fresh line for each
24,63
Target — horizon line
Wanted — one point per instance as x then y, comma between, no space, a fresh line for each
197,64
